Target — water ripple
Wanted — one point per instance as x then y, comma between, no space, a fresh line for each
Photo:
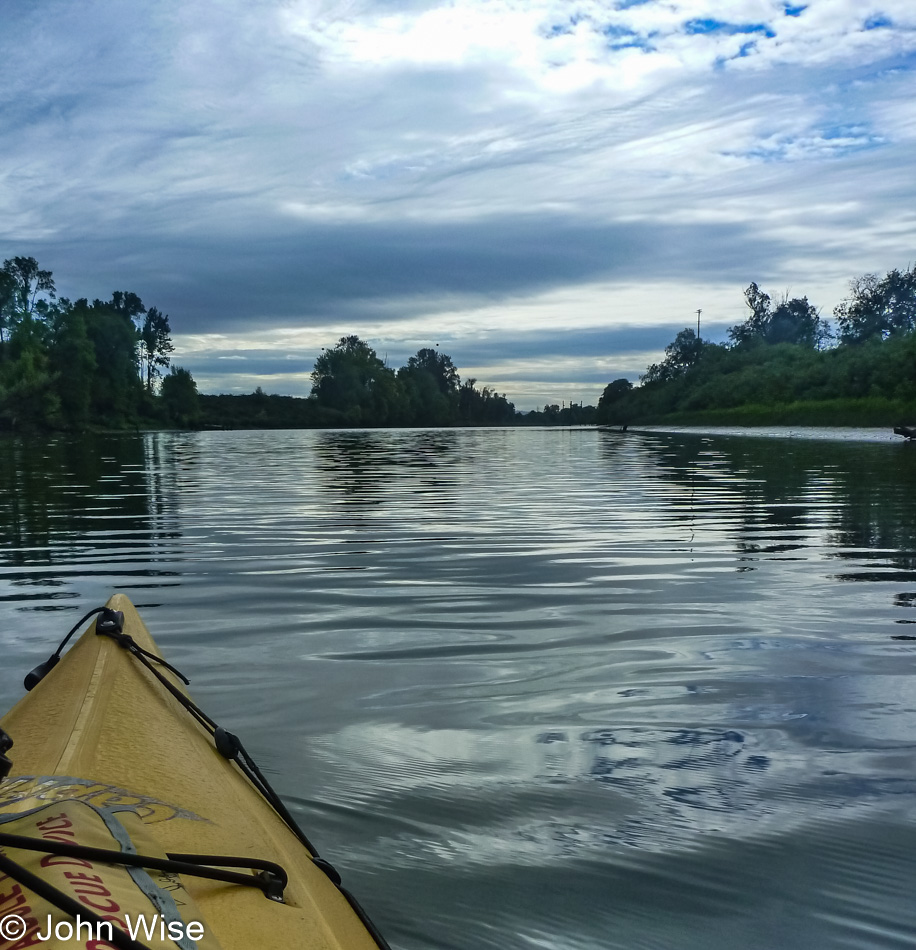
527,688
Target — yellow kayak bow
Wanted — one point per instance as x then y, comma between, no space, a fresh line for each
110,752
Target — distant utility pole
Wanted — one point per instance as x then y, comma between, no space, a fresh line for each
698,323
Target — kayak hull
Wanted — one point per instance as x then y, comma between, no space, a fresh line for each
100,728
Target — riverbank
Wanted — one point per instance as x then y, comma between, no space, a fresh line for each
870,412
883,436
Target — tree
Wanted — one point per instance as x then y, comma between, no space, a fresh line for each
466,400
116,388
26,292
430,384
27,396
680,355
66,364
351,379
155,344
30,286
684,351
72,360
793,321
796,321
609,405
128,304
878,307
482,406
439,366
615,391
657,373
27,393
754,328
7,306
180,398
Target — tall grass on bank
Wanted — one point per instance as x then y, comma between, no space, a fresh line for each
871,411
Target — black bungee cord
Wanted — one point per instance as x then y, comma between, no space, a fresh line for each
34,677
271,879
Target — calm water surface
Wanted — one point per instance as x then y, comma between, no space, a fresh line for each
527,688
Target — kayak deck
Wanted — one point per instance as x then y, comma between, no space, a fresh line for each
102,729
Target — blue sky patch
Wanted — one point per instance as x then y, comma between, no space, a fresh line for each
564,29
831,142
700,27
878,21
791,10
617,32
857,133
634,43
695,27
624,38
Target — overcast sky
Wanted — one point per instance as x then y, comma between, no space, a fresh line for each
547,189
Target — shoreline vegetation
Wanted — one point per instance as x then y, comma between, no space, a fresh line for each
785,365
869,412
71,365
75,366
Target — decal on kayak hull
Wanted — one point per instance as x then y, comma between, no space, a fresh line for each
28,791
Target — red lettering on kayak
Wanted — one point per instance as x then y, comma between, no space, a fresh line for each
11,901
53,860
110,907
56,828
57,823
79,876
87,888
90,885
116,921
16,903
29,939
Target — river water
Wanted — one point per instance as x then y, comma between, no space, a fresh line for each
565,689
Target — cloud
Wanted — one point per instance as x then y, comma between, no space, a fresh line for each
561,45
357,273
302,169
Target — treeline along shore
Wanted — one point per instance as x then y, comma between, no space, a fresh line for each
72,365
786,365
352,386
